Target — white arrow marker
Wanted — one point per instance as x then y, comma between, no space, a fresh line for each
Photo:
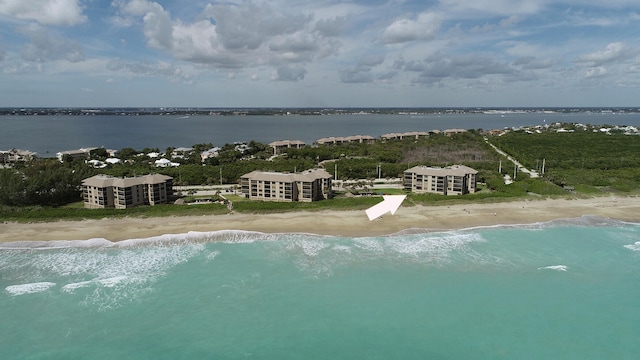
391,203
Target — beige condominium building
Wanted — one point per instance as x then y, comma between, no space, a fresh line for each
280,146
451,180
362,139
102,191
310,185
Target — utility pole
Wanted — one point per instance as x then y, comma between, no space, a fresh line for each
220,174
500,167
543,161
515,170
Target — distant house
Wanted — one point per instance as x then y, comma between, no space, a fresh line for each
113,153
166,163
82,153
181,152
451,180
16,155
213,152
102,191
279,146
310,185
97,164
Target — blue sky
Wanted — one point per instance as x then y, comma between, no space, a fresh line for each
319,53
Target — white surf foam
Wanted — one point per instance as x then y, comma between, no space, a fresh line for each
312,247
57,244
31,288
369,244
634,247
322,255
112,275
229,236
70,288
555,267
113,281
432,245
212,255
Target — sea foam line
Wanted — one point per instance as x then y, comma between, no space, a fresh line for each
231,236
31,288
634,247
242,236
555,267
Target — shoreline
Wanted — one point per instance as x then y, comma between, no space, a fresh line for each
349,223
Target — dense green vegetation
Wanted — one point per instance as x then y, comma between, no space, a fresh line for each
591,162
584,159
42,182
578,150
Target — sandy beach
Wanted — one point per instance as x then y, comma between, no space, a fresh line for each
345,223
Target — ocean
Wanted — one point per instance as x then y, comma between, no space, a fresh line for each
48,135
567,289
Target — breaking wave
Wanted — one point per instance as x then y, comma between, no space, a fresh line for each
22,289
554,267
110,274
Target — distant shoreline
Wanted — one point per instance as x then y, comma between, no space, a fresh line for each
336,223
283,111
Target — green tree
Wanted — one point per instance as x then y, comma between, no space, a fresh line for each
99,153
128,153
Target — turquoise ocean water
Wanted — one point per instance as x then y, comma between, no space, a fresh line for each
562,290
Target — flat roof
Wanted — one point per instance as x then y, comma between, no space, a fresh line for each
102,180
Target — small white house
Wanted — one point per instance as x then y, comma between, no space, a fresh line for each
165,163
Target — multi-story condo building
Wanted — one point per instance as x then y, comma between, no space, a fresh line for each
102,191
362,139
280,146
451,180
310,185
406,135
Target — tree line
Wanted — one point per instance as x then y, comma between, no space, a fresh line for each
49,182
582,158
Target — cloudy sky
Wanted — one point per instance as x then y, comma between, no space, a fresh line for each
319,53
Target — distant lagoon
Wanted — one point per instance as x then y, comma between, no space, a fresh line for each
47,135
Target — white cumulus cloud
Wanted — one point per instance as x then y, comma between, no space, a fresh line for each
613,52
234,36
45,12
45,47
424,27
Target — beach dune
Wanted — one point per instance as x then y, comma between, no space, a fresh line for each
339,223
